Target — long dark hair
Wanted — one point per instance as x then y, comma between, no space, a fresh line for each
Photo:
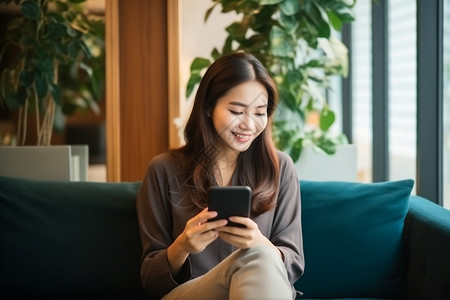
257,167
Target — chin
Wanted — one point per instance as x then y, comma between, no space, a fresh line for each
243,148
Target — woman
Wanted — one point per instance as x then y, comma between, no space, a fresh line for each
228,142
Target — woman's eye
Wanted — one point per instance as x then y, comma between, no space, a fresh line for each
260,114
235,112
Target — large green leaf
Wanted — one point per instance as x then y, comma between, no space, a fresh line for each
284,138
326,144
228,45
296,149
208,12
254,43
199,63
12,101
31,10
289,23
288,99
280,42
343,10
229,5
327,118
346,14
85,49
26,77
56,31
335,20
193,81
237,30
45,66
73,48
290,7
27,40
294,77
215,54
41,86
56,93
324,30
262,20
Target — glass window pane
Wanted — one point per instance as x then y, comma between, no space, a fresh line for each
446,96
402,89
361,69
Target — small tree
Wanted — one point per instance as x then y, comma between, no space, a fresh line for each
48,38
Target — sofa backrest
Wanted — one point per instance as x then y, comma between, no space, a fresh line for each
69,240
81,239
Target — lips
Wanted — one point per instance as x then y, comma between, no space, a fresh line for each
241,137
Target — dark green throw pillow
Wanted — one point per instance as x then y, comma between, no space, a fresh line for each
353,239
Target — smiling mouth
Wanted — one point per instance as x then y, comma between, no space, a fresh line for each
241,137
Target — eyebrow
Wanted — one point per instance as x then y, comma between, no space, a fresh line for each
245,105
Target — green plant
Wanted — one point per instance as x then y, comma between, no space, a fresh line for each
293,39
50,68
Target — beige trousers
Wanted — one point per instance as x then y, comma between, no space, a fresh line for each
255,273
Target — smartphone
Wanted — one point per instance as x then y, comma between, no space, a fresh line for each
230,201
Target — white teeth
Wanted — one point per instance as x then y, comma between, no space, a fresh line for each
240,136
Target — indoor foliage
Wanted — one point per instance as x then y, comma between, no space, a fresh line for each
293,39
50,67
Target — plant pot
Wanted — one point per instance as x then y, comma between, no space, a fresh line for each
60,163
341,166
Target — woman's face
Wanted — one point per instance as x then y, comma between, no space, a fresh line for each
240,116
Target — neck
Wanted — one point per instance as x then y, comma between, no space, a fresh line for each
225,166
226,162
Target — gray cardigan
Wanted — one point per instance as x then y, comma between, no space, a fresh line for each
164,207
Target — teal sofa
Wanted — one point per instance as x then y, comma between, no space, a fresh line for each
81,240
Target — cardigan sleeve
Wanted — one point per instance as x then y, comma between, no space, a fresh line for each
155,225
287,229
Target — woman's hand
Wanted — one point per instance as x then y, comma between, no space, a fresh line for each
197,234
243,237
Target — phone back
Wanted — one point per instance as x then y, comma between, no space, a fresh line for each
230,201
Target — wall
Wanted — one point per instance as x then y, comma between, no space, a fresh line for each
197,38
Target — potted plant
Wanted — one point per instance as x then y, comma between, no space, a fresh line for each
294,40
46,44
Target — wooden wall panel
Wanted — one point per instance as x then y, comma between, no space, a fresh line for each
142,116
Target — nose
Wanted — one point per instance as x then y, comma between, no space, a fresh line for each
248,122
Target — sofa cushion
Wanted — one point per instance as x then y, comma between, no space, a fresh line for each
69,240
353,239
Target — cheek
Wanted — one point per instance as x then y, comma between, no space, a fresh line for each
220,123
223,120
261,124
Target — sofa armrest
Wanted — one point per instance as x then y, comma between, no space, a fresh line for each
427,242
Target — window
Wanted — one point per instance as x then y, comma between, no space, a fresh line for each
361,88
389,72
402,88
